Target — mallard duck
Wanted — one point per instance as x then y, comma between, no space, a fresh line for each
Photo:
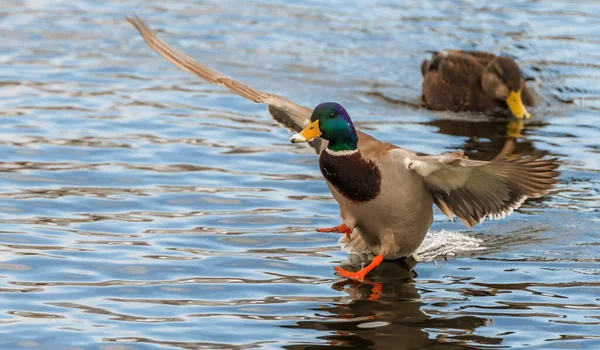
458,80
386,193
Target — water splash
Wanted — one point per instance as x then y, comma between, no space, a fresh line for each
446,244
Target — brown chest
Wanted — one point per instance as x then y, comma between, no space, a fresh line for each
355,178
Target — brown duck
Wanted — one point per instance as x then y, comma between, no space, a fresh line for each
457,80
386,193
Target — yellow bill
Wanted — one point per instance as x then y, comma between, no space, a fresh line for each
310,132
516,106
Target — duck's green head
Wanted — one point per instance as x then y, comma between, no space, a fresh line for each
330,121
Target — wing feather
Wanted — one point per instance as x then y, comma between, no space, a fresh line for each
289,113
473,190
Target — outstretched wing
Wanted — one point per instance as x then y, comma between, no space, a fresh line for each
283,110
473,190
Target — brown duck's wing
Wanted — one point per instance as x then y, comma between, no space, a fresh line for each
453,82
483,57
459,68
291,114
473,190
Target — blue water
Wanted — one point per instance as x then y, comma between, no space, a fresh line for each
141,208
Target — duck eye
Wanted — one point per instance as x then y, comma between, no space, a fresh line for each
332,115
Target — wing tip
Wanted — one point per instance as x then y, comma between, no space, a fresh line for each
134,19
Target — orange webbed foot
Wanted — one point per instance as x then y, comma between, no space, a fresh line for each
360,275
340,229
357,276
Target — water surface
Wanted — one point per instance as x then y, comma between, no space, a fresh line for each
141,208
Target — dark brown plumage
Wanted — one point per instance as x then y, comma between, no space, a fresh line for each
361,184
458,80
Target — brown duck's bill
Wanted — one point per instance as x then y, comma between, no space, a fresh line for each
311,131
516,106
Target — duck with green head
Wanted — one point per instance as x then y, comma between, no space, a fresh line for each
386,193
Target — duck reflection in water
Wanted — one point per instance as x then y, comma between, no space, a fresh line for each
485,140
386,312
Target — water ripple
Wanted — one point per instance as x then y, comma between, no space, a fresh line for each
141,208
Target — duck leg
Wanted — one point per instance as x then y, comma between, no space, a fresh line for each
341,228
360,275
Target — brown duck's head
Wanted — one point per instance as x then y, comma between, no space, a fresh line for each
502,79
